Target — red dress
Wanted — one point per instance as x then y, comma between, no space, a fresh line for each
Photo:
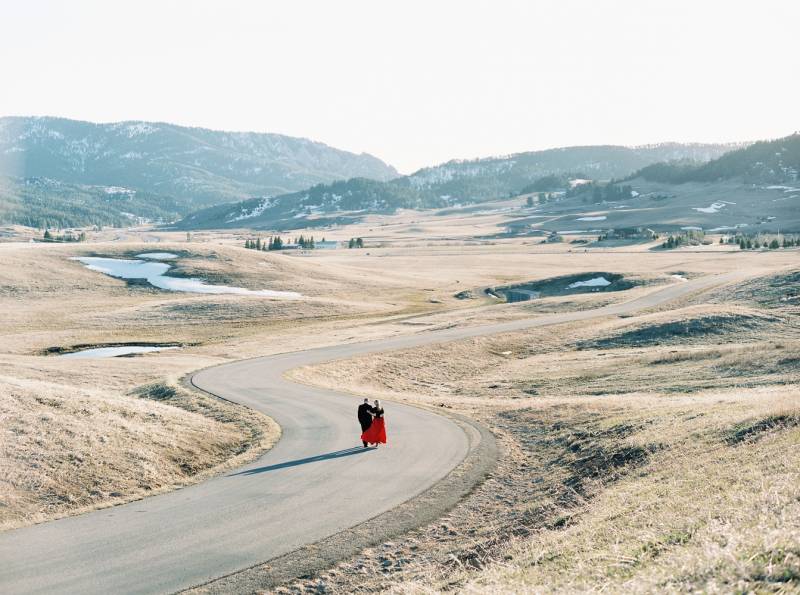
376,433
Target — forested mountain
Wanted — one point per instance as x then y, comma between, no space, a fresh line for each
751,190
776,162
285,211
46,203
455,182
193,167
499,176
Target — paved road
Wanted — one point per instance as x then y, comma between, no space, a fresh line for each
315,482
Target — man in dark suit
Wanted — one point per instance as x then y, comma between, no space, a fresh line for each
365,417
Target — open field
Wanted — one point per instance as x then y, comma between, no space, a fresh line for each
640,454
693,403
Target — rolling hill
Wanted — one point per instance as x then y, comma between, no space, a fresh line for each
452,183
750,190
187,168
775,162
47,203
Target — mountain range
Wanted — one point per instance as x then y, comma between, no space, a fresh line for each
172,169
452,183
61,173
752,190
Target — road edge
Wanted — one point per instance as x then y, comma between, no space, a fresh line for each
420,510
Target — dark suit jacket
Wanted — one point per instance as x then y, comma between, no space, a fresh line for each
365,415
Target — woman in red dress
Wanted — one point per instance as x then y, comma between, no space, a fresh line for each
376,433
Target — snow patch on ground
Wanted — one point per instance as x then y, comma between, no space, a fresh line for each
595,282
784,188
714,208
157,255
596,218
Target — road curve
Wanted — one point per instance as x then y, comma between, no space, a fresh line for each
315,482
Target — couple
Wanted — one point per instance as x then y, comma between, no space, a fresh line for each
373,427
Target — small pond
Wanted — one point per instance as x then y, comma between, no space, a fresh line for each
565,285
155,274
116,351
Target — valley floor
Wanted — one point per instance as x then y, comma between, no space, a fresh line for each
639,454
652,452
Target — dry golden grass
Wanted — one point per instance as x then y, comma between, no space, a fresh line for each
658,463
705,514
65,449
79,434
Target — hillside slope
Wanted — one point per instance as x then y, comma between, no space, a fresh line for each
751,190
776,162
455,182
48,203
194,166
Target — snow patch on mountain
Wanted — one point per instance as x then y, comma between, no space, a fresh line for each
139,129
119,190
458,169
714,208
254,212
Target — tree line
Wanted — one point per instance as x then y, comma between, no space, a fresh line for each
64,237
277,243
689,237
759,241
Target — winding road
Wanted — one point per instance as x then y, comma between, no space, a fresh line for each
315,482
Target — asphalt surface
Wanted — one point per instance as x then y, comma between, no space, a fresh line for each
315,482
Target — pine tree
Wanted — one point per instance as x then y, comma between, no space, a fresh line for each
351,244
359,242
529,201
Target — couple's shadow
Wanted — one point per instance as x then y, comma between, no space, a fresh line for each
315,459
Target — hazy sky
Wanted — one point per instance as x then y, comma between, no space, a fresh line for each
414,82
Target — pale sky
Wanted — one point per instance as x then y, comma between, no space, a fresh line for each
414,82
